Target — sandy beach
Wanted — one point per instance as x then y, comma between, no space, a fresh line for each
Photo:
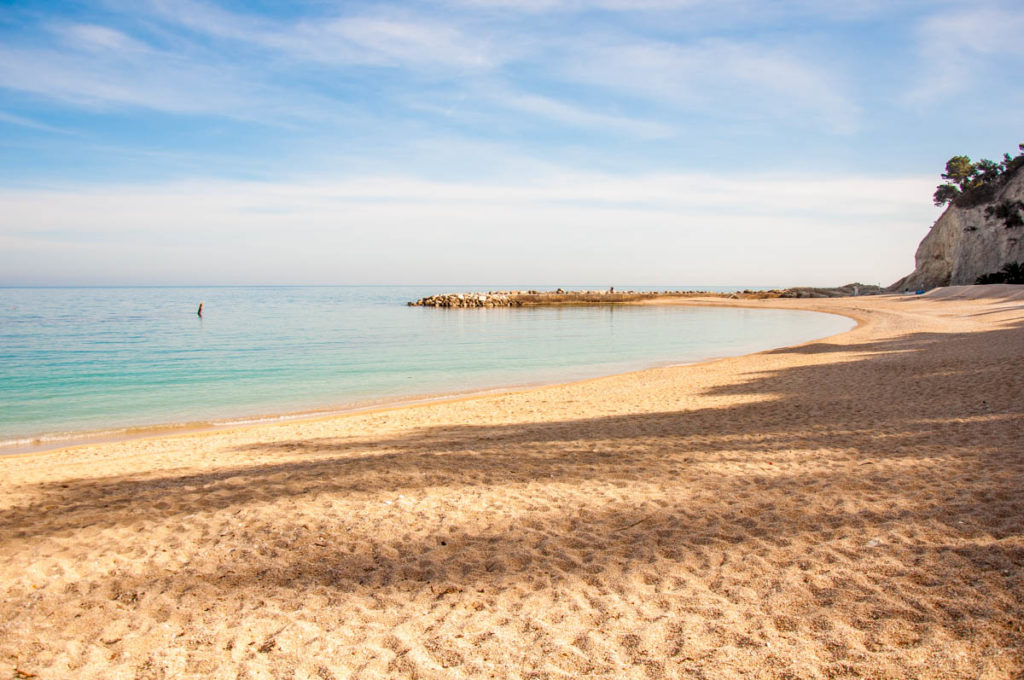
848,508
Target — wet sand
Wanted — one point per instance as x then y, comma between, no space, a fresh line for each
852,507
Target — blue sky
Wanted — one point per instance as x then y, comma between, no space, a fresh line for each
663,142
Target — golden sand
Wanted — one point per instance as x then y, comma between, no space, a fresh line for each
852,507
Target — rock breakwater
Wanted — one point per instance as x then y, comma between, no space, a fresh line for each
528,298
491,299
523,298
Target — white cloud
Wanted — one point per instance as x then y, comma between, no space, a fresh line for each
33,124
159,82
397,42
99,38
959,48
104,70
389,39
570,114
654,229
533,6
726,78
727,11
475,58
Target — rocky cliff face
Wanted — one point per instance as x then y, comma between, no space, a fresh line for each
965,243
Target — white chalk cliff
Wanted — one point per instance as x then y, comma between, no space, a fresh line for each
965,243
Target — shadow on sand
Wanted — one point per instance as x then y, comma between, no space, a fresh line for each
969,437
742,500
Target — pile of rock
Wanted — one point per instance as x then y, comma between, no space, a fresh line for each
530,298
489,299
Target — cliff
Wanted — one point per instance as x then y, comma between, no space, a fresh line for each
970,240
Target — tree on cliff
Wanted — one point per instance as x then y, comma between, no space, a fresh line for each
973,183
959,169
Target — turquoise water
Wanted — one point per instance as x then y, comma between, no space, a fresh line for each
88,359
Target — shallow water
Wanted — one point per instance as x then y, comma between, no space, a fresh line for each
86,359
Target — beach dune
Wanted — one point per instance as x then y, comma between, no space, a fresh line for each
852,507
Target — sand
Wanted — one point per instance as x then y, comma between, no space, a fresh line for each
852,507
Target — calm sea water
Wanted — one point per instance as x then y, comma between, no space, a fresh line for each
88,359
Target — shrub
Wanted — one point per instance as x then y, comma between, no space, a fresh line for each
1012,272
1007,211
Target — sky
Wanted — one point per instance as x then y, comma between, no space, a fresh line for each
542,142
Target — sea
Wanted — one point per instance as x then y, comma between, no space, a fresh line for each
79,363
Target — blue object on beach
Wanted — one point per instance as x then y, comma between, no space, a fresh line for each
920,291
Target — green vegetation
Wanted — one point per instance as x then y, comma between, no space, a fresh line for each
1007,211
1012,272
969,184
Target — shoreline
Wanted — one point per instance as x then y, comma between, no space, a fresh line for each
52,442
847,507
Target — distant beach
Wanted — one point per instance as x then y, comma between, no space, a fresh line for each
847,507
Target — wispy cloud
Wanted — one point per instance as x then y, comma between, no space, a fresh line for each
719,77
706,74
33,124
395,38
99,69
406,42
161,82
578,116
479,59
732,11
536,6
98,38
960,48
391,41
